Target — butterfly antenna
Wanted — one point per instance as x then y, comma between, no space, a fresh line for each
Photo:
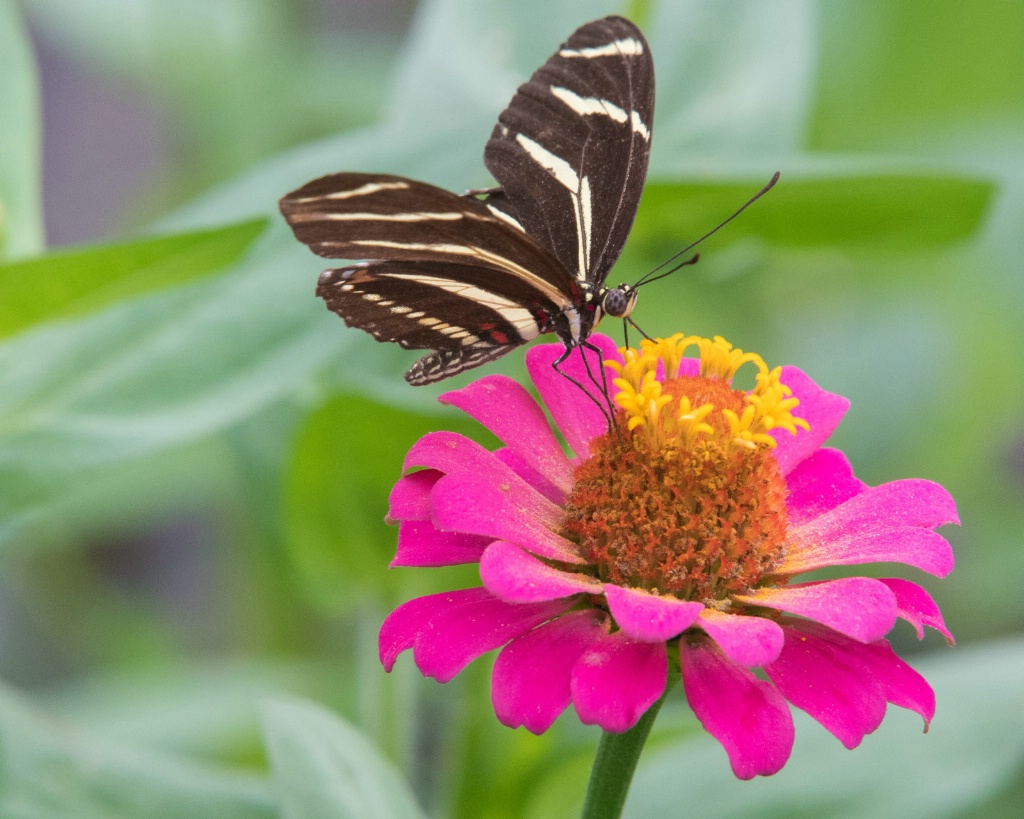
647,278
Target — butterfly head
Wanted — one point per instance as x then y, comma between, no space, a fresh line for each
618,302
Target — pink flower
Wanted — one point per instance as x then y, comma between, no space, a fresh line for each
668,546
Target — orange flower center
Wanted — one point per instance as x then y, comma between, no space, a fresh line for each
688,502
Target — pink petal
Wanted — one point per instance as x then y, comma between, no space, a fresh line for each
420,544
410,497
910,502
899,683
820,483
454,636
817,673
530,475
530,685
509,411
860,607
617,679
650,617
890,522
917,607
487,469
822,410
448,452
477,505
921,548
748,641
578,418
455,454
515,576
401,628
903,686
481,495
747,715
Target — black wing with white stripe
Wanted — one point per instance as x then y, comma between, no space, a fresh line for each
571,150
432,306
472,278
449,273
378,216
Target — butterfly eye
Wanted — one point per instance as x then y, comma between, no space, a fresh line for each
619,301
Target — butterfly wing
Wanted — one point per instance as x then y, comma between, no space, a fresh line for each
472,279
447,272
451,309
571,150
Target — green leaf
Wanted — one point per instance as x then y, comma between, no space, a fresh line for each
917,75
21,214
326,769
51,770
975,747
888,212
336,493
160,371
70,283
346,459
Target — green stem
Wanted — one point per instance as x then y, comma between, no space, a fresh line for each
614,764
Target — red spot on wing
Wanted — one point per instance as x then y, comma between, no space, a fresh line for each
495,335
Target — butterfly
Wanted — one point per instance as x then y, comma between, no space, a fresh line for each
472,277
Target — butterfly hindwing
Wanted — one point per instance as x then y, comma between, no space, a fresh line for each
451,309
571,150
446,363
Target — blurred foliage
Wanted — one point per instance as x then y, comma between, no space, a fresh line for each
195,456
238,80
65,284
21,218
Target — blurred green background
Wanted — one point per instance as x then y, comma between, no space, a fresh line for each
195,456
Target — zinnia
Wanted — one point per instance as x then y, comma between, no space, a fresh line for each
669,543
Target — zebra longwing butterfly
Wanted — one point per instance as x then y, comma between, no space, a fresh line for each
472,277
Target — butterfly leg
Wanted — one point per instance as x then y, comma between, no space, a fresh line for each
603,386
606,407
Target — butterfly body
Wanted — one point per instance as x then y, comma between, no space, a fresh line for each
472,277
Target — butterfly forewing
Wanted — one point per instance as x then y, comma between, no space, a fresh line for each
378,216
571,150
